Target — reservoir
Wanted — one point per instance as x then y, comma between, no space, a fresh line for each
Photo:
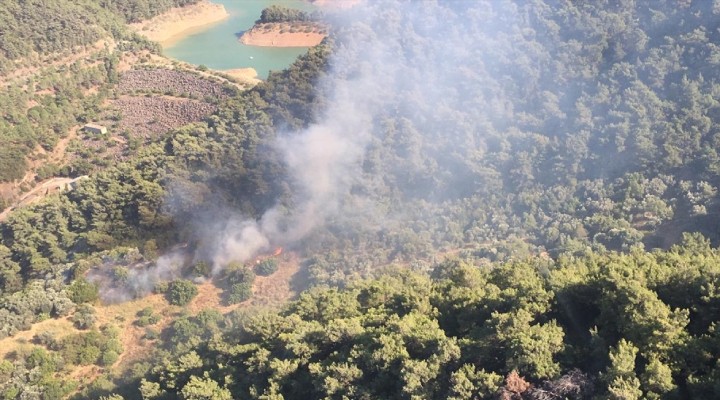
219,47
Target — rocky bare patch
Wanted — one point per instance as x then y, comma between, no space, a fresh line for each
171,82
150,116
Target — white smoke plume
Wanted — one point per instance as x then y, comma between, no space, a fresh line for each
382,53
138,280
324,160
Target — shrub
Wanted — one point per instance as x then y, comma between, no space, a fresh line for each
45,338
146,317
240,292
145,321
151,334
161,287
108,358
266,267
145,312
201,268
82,291
240,274
84,317
180,292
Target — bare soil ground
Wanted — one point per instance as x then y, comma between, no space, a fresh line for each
276,289
132,336
273,290
247,76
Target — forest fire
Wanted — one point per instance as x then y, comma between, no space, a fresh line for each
278,251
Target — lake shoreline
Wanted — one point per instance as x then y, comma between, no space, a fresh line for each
177,23
218,48
305,34
244,75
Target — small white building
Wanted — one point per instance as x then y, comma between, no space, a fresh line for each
95,128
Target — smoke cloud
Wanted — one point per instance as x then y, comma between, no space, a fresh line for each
324,160
417,62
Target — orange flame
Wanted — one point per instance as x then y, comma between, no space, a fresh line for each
278,251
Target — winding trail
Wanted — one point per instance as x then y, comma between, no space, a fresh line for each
51,185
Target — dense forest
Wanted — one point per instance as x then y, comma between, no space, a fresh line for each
490,200
618,326
284,14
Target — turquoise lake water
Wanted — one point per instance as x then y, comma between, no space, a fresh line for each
218,47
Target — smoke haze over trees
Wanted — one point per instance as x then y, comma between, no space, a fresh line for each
559,125
532,139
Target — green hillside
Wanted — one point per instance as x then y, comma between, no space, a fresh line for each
639,325
486,199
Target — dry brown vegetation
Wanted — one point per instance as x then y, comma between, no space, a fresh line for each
273,290
276,289
132,336
22,340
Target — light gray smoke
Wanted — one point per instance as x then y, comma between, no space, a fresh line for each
413,59
325,159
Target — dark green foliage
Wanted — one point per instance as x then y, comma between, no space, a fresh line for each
293,101
41,298
57,26
93,347
600,135
180,292
569,328
34,376
266,267
161,287
238,273
239,292
82,291
51,26
60,103
146,317
84,317
277,13
12,163
201,268
90,219
46,339
239,280
108,358
151,334
137,10
188,332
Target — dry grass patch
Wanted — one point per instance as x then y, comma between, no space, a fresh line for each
22,341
